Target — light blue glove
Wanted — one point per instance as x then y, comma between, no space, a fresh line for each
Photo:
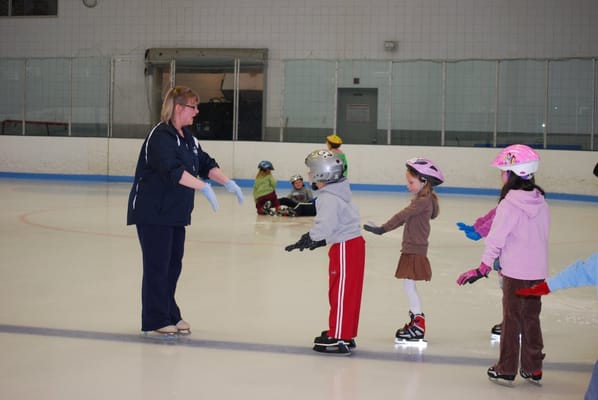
211,196
232,187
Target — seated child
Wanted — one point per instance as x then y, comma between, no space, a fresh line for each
300,200
264,189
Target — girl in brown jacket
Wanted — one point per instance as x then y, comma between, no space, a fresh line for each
422,175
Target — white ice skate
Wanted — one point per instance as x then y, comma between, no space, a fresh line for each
183,328
165,333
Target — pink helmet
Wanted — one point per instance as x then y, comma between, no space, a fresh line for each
519,158
426,169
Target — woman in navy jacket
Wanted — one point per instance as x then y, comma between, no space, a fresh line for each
170,168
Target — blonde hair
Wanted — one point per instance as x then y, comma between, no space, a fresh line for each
263,172
427,189
176,95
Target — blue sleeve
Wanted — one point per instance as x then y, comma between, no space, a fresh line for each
580,273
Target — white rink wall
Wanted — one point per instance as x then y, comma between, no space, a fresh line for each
561,171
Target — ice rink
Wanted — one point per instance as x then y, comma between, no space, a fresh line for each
71,287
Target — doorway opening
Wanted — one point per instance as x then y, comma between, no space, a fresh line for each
230,83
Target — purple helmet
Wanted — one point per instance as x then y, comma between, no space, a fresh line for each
426,169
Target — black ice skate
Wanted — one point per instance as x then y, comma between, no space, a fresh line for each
349,342
414,331
496,331
532,377
499,378
328,345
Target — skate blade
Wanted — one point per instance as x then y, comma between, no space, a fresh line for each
159,336
332,352
334,349
501,382
533,382
184,332
411,342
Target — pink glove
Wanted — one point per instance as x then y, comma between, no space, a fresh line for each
537,290
474,274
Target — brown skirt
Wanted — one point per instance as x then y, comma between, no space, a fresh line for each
413,266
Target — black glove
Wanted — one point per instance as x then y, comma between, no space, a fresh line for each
305,242
316,244
378,230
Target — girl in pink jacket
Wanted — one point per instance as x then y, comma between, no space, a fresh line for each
480,229
519,238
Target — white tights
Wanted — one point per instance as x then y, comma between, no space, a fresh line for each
412,296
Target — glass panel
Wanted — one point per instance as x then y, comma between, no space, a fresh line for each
308,103
370,79
417,103
12,88
91,84
133,110
251,95
521,102
470,101
47,102
570,104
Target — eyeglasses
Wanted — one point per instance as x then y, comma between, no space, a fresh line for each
190,106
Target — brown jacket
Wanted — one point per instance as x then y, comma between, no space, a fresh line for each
416,218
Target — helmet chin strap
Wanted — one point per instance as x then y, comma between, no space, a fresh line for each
527,177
